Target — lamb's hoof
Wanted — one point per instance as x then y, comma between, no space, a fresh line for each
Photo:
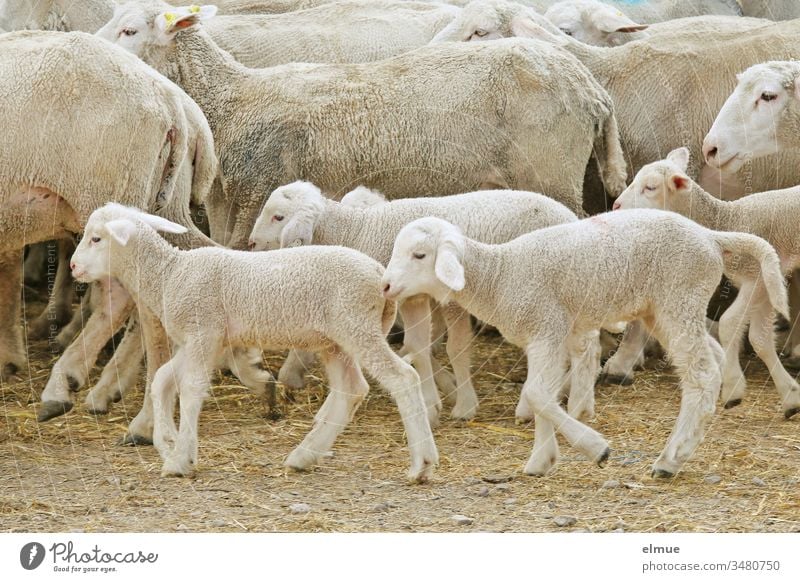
792,363
52,408
8,370
97,411
601,462
117,397
615,380
731,403
174,469
662,474
787,414
73,383
135,440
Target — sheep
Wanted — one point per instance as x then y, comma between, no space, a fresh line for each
124,133
508,115
298,213
550,291
772,216
324,299
772,9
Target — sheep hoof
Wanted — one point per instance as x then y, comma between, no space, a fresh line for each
787,414
135,440
73,383
97,411
52,408
662,474
615,379
117,397
601,462
732,403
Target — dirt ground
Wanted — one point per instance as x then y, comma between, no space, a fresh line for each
69,474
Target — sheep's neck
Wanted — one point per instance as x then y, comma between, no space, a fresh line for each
483,264
704,209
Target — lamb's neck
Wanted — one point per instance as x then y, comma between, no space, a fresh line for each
338,224
483,264
146,263
704,209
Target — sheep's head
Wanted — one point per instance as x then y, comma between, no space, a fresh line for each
146,27
593,22
752,124
288,217
492,19
658,185
110,225
426,260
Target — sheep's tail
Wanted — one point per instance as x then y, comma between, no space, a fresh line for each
609,156
388,316
748,244
205,167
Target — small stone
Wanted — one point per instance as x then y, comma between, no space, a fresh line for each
299,508
759,482
462,519
510,501
380,508
181,527
483,492
498,478
129,486
713,479
611,484
113,480
218,523
564,520
472,481
503,487
793,481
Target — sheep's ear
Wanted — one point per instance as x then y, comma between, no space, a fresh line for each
121,230
163,225
679,157
448,268
679,182
525,27
609,21
297,232
180,18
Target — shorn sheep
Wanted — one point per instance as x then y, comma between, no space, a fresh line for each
323,299
773,216
549,292
298,213
513,114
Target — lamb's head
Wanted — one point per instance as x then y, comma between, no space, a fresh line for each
363,197
110,227
593,22
754,121
288,217
426,260
492,19
147,28
658,185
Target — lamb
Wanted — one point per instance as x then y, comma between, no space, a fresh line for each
148,144
298,213
212,297
513,114
772,216
568,281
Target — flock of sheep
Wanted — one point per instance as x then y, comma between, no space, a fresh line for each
387,163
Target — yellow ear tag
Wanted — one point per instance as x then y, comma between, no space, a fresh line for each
170,17
194,9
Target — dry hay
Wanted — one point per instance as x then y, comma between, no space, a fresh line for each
69,475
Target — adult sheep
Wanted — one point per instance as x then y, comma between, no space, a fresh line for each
123,132
772,9
443,120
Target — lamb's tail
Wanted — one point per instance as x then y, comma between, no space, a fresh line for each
609,156
738,243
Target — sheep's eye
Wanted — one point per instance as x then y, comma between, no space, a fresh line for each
768,97
128,31
566,31
277,218
419,255
481,32
95,239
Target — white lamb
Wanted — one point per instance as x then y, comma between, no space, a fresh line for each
550,291
319,299
298,213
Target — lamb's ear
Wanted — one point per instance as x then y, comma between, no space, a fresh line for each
679,182
526,27
180,18
448,267
679,157
163,225
298,231
609,21
121,229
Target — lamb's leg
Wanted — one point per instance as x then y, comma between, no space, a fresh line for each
403,383
793,341
12,348
542,389
762,338
732,326
293,371
630,353
113,305
163,391
445,380
697,363
416,315
247,364
120,373
459,342
76,324
62,292
584,367
347,389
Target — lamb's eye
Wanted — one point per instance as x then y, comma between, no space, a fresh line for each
128,31
95,239
566,31
649,189
419,255
481,32
277,218
768,97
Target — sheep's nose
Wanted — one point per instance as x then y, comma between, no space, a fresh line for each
386,288
72,265
616,206
251,245
710,152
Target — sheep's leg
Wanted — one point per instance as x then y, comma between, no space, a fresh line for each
163,391
293,371
403,383
347,389
793,341
76,324
62,292
542,389
12,348
697,363
34,260
762,338
72,369
416,315
630,353
247,364
459,341
584,367
120,373
732,326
